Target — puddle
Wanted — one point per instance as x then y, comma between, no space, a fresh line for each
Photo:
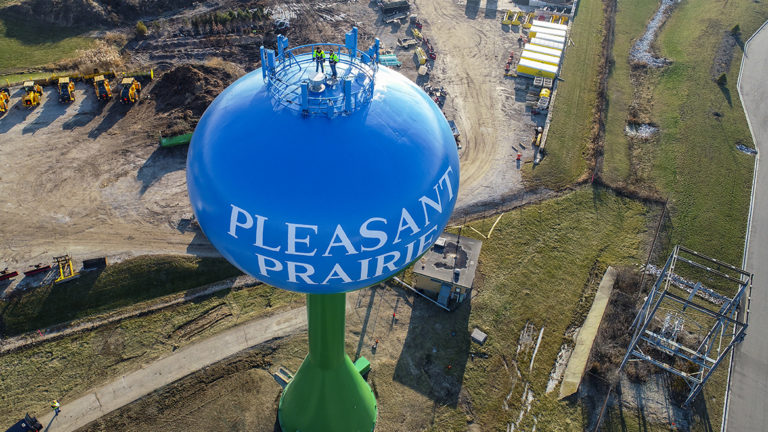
641,51
745,149
641,131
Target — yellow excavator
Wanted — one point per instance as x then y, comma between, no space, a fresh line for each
5,97
103,91
33,95
66,90
131,90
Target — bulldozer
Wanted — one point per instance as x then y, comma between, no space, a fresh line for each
5,97
103,91
131,90
33,94
66,90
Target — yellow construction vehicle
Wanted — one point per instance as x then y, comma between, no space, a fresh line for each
66,90
33,94
131,90
5,97
66,269
528,23
508,17
103,91
421,55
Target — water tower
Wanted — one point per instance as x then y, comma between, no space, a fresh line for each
323,185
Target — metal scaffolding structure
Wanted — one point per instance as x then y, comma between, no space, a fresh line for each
688,323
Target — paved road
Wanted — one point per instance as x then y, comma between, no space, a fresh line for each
130,387
748,405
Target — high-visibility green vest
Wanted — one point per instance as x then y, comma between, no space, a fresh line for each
334,58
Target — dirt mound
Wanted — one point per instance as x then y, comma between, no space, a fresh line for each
183,93
89,12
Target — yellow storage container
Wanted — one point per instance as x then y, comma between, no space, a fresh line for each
533,69
539,57
536,29
543,50
544,93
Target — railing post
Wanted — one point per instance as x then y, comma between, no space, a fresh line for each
263,56
282,45
271,61
350,41
347,95
304,97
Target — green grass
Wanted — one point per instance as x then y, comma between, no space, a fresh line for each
631,18
122,284
68,367
572,113
694,161
542,264
697,163
26,44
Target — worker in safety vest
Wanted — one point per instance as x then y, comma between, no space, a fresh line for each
333,59
56,407
319,57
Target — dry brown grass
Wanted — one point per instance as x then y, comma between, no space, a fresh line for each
232,68
103,56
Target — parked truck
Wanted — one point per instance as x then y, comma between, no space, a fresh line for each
27,424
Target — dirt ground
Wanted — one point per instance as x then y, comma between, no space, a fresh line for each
90,180
240,393
106,189
472,47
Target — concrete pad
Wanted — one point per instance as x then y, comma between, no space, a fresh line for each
132,386
586,338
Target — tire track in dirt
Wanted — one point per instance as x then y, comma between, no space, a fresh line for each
470,53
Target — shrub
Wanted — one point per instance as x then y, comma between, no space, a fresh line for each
722,80
141,29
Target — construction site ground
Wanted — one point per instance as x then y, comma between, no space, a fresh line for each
89,178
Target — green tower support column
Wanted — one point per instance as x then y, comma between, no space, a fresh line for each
327,394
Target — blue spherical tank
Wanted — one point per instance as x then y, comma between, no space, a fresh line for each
320,200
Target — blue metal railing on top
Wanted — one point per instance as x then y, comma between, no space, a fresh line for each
287,74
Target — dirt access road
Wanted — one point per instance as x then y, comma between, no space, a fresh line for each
88,179
472,48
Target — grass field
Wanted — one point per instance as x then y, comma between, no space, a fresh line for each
574,104
542,265
25,44
694,160
122,284
631,18
68,367
697,164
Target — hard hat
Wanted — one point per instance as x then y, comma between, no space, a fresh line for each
540,129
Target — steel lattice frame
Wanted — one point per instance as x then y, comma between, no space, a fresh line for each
715,306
